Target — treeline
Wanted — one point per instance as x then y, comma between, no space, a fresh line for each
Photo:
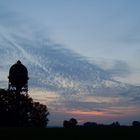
73,123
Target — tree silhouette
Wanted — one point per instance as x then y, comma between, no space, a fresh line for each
27,114
70,124
136,124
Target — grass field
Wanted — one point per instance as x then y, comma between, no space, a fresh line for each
71,133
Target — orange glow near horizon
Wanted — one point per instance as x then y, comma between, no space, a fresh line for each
114,112
86,113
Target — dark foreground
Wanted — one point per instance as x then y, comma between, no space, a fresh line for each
71,133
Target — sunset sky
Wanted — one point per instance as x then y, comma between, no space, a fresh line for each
104,32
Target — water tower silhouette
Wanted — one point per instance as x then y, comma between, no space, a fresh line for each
18,78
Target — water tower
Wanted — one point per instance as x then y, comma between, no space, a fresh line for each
18,78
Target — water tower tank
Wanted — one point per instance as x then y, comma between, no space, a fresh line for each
18,76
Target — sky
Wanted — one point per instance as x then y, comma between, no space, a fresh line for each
103,31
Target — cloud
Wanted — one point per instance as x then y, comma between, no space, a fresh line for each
120,68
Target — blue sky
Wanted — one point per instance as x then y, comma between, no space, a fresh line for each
101,30
106,32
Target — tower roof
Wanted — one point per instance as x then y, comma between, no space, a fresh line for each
18,75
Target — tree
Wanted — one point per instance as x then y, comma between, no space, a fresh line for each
26,113
70,124
136,124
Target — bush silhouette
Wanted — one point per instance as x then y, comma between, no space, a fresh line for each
136,124
21,113
70,124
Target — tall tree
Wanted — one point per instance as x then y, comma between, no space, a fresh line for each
27,114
